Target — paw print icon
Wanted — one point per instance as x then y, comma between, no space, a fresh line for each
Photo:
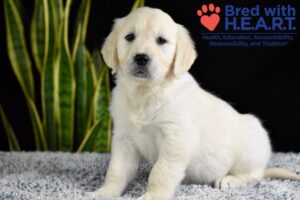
209,16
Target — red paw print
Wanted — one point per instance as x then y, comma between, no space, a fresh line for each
209,21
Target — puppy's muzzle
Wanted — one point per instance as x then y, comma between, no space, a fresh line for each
141,67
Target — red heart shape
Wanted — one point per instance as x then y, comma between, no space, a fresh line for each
210,22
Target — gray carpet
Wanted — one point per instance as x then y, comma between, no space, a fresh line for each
61,176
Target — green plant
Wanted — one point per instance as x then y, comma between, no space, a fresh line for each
74,95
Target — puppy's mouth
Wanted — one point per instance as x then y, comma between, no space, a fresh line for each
141,73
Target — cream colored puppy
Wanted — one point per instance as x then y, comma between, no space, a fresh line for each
161,114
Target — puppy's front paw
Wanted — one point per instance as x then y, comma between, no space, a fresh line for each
144,197
103,192
149,196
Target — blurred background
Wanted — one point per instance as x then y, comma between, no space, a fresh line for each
264,81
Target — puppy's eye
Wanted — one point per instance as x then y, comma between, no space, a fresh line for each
160,40
130,37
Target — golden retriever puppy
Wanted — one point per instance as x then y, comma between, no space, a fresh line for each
162,115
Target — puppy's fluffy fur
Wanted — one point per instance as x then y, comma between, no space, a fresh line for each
166,118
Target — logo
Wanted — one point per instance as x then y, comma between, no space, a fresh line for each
248,26
209,21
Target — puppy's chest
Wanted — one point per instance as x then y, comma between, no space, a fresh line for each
144,118
147,134
148,141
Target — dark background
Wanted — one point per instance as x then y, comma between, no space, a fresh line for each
264,81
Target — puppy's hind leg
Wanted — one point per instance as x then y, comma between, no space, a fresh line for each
253,154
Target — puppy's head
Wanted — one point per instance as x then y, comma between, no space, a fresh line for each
147,45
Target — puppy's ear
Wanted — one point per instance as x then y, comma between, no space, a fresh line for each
185,52
109,48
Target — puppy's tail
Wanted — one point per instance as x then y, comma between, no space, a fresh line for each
280,173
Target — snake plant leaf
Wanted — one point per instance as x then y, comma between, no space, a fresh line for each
89,138
101,94
11,136
90,88
137,4
83,17
58,4
103,138
37,125
80,69
22,11
101,106
39,34
17,50
91,70
80,62
65,87
99,63
47,79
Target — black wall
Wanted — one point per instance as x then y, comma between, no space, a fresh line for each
264,81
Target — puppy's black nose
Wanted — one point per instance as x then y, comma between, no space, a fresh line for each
141,59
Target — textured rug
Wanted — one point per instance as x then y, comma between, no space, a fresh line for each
62,176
